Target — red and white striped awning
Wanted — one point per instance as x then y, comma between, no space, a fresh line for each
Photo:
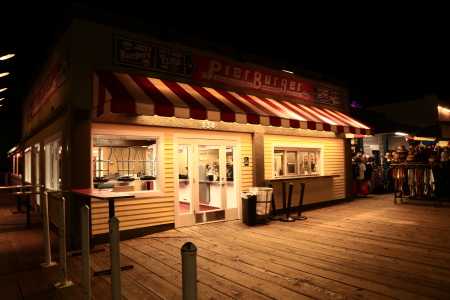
130,94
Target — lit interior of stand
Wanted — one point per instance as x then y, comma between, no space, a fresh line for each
126,164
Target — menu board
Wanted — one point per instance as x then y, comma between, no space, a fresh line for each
152,57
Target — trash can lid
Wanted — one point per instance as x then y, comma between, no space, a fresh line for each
259,189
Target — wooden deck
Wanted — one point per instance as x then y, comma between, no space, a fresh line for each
369,248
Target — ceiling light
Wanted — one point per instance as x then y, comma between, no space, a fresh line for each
5,57
3,89
4,74
401,133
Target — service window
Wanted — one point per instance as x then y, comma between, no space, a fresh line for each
127,163
296,161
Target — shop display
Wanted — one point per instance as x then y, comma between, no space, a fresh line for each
401,154
444,154
365,175
417,181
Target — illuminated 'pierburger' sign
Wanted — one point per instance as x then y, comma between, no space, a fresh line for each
201,68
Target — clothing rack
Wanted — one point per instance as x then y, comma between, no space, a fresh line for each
381,183
419,181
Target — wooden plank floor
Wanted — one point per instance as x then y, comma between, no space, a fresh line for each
369,248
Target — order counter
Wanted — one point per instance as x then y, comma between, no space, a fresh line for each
309,177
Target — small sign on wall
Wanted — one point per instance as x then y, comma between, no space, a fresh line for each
246,161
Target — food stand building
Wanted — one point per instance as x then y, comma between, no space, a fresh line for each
180,124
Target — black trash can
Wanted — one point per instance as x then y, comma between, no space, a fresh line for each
256,206
249,208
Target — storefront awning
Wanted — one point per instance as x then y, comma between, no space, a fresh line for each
130,94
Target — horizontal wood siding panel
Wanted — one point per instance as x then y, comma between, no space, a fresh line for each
149,214
103,213
246,171
138,223
146,212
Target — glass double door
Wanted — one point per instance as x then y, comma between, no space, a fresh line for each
207,181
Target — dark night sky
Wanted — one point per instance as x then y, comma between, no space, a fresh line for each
386,53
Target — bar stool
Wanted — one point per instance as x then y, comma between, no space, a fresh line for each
300,204
287,209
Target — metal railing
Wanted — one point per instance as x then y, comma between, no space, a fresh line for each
188,251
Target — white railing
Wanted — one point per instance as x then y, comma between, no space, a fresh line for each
62,246
85,252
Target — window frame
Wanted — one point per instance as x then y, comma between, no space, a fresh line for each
138,133
53,162
299,149
27,171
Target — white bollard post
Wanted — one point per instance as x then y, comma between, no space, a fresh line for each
48,254
189,271
114,261
62,245
85,251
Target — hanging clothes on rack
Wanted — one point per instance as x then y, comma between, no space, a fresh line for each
412,182
368,175
362,169
379,180
416,180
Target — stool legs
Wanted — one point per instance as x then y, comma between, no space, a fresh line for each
287,209
274,209
300,204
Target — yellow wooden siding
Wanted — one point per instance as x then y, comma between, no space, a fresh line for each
134,213
138,213
316,190
246,171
